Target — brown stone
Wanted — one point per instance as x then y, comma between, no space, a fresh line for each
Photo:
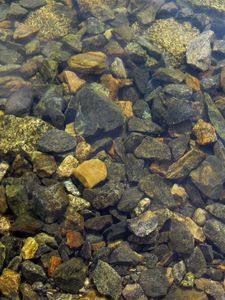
24,31
126,107
133,292
183,166
205,133
211,287
73,81
44,165
5,24
3,202
179,194
91,172
83,149
193,83
73,221
113,48
9,283
28,293
112,84
93,295
65,169
160,168
10,84
188,294
74,239
54,262
5,225
30,248
91,62
98,246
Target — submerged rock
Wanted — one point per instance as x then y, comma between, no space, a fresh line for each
144,224
215,232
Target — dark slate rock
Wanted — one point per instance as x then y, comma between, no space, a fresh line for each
219,151
196,263
116,172
49,203
17,198
92,112
27,224
217,210
130,199
151,148
19,103
134,167
194,194
56,141
142,110
107,281
117,231
125,255
215,233
169,75
154,282
98,223
13,247
181,239
158,189
70,275
33,272
178,90
141,78
179,146
134,139
141,125
209,177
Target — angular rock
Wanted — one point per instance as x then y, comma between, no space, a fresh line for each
215,233
217,210
19,103
124,255
28,293
212,288
74,239
134,167
107,281
151,148
91,172
17,198
29,249
129,199
43,165
205,133
65,169
27,224
144,224
196,263
133,292
33,272
99,223
187,294
170,75
209,177
9,283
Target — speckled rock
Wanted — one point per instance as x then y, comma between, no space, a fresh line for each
215,232
33,272
144,224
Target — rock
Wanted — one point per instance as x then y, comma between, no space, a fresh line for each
182,241
4,166
144,224
32,4
205,133
219,46
24,32
196,263
27,224
215,233
133,292
90,62
210,287
124,255
187,294
169,75
78,203
91,172
107,280
9,283
126,107
74,239
154,282
83,150
193,83
19,103
73,221
183,166
118,69
129,199
28,293
54,262
65,169
70,275
16,11
215,116
56,141
179,270
178,90
140,125
209,177
157,188
44,165
33,272
17,198
217,210
199,216
3,202
134,168
199,51
92,112
73,81
49,203
151,148
222,79
29,249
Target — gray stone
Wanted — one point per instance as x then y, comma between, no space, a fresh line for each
33,272
141,125
129,199
98,223
124,255
16,10
134,167
219,46
17,198
178,90
169,75
217,210
19,103
179,270
215,233
144,224
196,263
32,4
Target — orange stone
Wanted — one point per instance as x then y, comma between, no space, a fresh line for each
205,133
193,83
126,107
9,283
5,24
112,84
74,239
54,262
97,246
73,81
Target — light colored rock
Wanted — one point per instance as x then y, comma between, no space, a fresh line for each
199,216
127,107
205,133
73,81
30,248
24,31
9,283
65,169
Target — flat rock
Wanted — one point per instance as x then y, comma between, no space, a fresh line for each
211,287
169,75
215,233
187,294
196,263
32,4
217,210
133,292
141,125
19,103
98,223
130,199
33,272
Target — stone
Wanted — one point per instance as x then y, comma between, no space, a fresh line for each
9,283
83,150
65,169
44,165
24,32
107,280
91,172
199,51
78,203
179,270
32,4
90,62
28,293
127,107
140,125
209,177
215,233
27,224
205,133
4,166
3,202
124,255
187,294
16,11
152,148
33,272
183,166
178,90
133,292
93,109
134,168
215,116
154,282
219,46
196,263
73,81
144,224
182,241
73,221
142,206
118,69
169,75
29,249
56,141
129,199
17,198
199,216
54,262
211,287
70,275
193,82
74,239
49,203
217,210
99,223
158,189
179,193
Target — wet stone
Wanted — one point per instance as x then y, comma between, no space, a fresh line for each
196,263
133,292
27,224
217,210
17,198
32,4
99,223
214,231
43,165
33,272
144,224
141,125
29,249
169,75
9,283
179,270
210,287
204,132
134,167
129,199
187,294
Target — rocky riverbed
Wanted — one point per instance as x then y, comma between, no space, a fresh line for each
112,150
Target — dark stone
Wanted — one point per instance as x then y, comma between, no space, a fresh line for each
130,199
209,177
215,233
56,141
179,146
196,263
142,110
217,210
158,189
134,167
154,282
182,241
178,90
98,223
194,194
27,224
151,148
133,140
144,224
125,255
33,272
116,172
170,75
143,126
70,275
219,151
117,231
49,203
13,247
141,78
19,103
17,198
92,112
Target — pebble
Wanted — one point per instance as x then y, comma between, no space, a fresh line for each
66,167
210,287
199,216
29,249
205,133
54,262
9,283
74,239
73,81
144,224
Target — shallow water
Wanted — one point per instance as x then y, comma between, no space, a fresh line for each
112,154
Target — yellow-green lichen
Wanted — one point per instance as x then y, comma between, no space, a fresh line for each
172,37
18,134
51,22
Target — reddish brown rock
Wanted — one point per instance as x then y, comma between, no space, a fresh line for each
74,239
54,262
193,82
